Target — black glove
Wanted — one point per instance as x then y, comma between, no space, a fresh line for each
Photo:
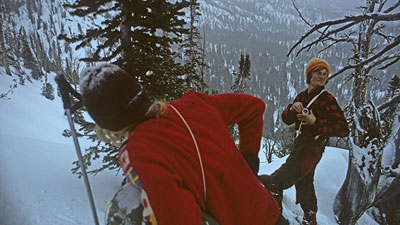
267,180
253,161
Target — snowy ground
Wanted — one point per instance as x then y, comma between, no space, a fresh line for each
38,188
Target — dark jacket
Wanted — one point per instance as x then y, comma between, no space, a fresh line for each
330,122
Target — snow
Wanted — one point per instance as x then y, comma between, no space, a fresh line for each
37,186
36,183
88,82
329,176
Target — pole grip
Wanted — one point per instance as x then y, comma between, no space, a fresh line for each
66,90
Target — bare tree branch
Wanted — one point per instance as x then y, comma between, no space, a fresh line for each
393,7
322,37
365,62
381,6
353,19
300,14
376,63
388,38
334,42
393,101
397,59
315,28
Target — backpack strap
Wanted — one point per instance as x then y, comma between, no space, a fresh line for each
315,98
298,131
197,149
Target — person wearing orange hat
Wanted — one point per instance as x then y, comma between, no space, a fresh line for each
317,116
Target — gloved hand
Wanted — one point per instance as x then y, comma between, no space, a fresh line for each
269,183
267,180
253,161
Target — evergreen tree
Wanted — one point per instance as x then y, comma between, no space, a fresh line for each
394,87
48,91
240,86
389,114
29,60
139,38
242,77
3,47
108,152
194,61
142,37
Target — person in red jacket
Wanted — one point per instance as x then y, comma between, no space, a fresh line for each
317,116
180,154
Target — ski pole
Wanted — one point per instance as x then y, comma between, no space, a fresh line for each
66,90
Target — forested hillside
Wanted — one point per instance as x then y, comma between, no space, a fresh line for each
263,29
266,30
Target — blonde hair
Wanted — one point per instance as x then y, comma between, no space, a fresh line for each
116,138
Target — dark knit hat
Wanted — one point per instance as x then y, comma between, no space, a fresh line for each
112,97
315,62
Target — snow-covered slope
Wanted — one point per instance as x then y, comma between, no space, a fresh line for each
36,183
37,186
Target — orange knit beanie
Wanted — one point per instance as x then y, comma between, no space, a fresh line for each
314,62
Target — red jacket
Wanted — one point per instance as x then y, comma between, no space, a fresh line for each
162,152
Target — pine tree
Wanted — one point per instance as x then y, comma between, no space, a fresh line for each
29,60
240,86
242,77
109,153
389,114
194,59
143,37
2,41
394,87
138,37
48,91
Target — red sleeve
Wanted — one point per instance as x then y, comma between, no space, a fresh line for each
169,200
335,125
246,111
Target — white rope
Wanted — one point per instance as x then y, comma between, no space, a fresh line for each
197,149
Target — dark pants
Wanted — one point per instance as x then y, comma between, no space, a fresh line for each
298,170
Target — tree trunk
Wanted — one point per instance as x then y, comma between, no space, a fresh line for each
359,189
4,52
360,73
360,86
353,199
388,197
